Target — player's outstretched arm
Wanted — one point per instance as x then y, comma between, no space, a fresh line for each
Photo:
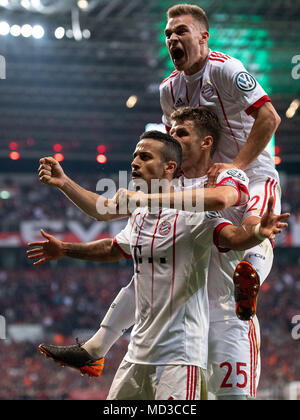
51,173
54,249
196,200
245,237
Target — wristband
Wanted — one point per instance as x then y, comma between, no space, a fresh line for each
258,234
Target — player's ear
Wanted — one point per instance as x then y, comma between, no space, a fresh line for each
205,37
207,143
170,167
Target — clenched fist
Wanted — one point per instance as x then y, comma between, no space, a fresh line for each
51,173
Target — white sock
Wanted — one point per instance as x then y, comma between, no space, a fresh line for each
261,257
119,317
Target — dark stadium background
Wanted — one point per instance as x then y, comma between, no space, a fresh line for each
91,93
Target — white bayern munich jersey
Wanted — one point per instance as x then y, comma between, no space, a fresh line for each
223,85
171,258
223,262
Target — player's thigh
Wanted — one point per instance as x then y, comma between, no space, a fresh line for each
233,358
180,383
132,382
260,191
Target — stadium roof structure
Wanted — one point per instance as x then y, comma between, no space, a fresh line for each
73,89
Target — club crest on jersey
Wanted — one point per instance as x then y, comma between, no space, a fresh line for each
245,81
165,228
207,91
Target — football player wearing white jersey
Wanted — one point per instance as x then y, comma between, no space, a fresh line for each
248,120
45,253
234,346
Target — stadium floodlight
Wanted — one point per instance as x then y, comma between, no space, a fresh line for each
26,4
131,101
15,30
38,32
101,159
69,33
59,32
290,113
26,31
14,155
3,3
83,4
4,28
5,195
86,34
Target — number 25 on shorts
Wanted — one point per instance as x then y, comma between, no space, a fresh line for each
239,371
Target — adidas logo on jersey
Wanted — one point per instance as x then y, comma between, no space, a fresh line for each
179,103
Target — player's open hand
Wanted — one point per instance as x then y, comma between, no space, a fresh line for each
51,249
215,171
51,173
271,224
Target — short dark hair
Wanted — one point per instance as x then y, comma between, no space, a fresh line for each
205,120
172,149
189,9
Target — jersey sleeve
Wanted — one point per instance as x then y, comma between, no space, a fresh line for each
207,230
240,86
166,104
122,240
237,179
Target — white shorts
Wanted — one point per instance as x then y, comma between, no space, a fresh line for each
234,358
163,382
260,191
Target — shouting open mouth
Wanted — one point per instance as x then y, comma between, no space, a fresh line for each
177,54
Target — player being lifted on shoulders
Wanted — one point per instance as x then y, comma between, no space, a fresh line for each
247,117
197,130
168,344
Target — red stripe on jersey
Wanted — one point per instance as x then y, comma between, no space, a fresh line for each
219,55
257,104
187,94
227,122
271,187
201,83
168,129
254,352
134,221
115,243
216,236
274,194
195,384
136,262
173,74
172,93
191,384
265,198
188,383
251,358
216,59
173,269
152,245
256,348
